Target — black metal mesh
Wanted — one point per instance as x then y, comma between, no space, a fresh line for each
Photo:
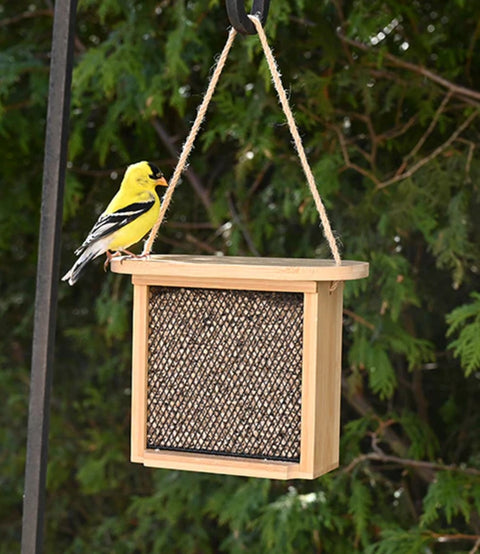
224,372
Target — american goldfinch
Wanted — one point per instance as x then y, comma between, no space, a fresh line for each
131,213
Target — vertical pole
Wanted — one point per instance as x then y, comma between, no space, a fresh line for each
47,275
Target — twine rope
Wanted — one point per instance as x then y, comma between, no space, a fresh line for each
188,145
282,96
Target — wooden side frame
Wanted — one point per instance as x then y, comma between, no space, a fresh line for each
321,383
321,379
138,434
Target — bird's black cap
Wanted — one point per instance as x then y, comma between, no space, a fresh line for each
156,173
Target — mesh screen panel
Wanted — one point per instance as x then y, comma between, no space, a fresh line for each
224,372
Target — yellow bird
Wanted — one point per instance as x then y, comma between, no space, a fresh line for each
131,213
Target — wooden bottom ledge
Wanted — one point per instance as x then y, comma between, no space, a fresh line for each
208,463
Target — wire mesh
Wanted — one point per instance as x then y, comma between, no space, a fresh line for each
224,372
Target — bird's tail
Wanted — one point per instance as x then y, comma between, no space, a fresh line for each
90,253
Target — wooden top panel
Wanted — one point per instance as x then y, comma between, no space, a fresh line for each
282,269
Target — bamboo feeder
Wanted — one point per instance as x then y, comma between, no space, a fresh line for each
237,363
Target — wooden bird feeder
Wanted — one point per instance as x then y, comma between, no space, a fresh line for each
237,363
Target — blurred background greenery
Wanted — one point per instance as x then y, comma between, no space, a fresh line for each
386,94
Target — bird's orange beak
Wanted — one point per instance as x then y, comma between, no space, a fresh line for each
162,181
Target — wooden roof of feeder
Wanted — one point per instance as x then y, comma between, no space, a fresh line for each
221,267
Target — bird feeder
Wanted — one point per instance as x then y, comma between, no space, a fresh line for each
237,363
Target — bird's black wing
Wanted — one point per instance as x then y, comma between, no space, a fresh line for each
109,223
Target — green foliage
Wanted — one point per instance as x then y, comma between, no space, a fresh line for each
465,320
360,508
452,495
423,442
393,149
375,360
398,541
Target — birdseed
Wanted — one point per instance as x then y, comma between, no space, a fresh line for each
224,372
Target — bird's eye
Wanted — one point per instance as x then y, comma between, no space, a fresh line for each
156,173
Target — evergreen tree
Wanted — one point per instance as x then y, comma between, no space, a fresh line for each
387,96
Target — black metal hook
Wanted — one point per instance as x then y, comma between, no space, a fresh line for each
238,16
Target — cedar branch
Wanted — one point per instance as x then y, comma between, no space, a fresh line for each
408,462
458,90
25,15
358,318
476,547
408,173
348,163
444,537
427,133
398,445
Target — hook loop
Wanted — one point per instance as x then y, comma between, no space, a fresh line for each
238,16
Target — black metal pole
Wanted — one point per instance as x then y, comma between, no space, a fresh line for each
47,275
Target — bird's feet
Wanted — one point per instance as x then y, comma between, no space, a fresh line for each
132,255
118,253
110,256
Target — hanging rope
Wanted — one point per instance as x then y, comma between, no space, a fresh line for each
188,145
282,95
